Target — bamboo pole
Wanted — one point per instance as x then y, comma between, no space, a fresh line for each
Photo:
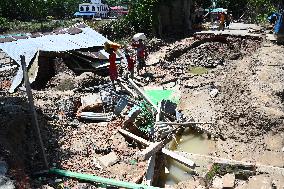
33,111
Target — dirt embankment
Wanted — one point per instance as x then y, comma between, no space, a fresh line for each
250,103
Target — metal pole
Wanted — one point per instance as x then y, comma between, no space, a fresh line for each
33,111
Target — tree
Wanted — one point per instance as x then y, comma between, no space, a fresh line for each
254,10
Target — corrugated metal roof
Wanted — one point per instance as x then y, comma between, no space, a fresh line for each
56,43
52,43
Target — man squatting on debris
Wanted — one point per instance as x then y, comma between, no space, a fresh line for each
141,54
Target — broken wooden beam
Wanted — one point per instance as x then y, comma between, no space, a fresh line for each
127,89
134,137
142,94
151,150
259,167
178,158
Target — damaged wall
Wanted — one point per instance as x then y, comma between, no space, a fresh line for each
174,17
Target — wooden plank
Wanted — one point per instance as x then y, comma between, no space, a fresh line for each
149,177
32,107
134,137
260,167
179,158
127,89
141,92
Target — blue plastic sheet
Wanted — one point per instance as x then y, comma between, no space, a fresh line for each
279,26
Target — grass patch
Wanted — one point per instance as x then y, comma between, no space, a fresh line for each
198,70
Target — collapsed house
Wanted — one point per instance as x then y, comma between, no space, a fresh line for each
80,47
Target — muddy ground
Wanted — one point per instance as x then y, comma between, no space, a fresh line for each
247,110
233,82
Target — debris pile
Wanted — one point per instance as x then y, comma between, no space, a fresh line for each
122,133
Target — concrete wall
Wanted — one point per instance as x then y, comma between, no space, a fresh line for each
174,17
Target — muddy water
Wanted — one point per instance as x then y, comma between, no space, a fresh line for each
193,143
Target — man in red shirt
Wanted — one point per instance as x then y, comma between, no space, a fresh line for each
112,66
141,54
130,63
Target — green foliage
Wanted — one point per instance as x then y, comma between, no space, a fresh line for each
254,10
117,2
19,26
215,169
26,10
145,119
117,29
143,15
260,9
141,18
203,3
3,23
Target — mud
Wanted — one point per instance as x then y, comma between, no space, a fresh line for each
248,108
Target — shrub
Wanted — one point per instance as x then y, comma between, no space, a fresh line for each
4,24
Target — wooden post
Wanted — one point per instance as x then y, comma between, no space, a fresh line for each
33,111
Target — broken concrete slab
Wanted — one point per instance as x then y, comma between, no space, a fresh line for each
96,116
217,182
90,99
108,160
214,93
228,180
260,181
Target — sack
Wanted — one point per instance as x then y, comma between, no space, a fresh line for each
138,36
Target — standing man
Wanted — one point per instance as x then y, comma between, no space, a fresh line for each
111,48
112,67
141,55
222,21
130,62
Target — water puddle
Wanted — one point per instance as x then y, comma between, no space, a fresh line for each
188,142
